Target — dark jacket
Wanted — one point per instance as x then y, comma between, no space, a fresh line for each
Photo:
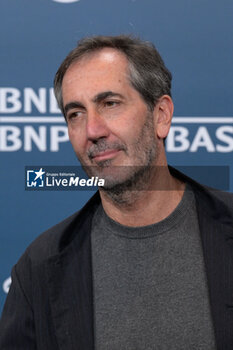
50,302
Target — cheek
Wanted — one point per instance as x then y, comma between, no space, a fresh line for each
130,129
127,124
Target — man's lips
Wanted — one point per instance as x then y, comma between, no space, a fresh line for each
104,155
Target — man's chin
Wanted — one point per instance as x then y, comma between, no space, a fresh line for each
111,181
119,178
124,179
112,176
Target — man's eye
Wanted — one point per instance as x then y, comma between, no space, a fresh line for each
111,103
74,115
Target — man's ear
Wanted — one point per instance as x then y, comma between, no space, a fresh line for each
163,112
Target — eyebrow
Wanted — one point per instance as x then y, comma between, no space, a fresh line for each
73,105
101,96
98,98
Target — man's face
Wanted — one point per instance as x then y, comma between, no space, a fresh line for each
109,124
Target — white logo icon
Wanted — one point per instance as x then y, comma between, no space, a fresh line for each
35,178
66,1
39,174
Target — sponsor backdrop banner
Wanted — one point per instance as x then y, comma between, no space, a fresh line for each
195,40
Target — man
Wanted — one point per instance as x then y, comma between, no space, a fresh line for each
147,263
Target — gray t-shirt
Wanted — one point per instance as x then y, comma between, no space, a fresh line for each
150,288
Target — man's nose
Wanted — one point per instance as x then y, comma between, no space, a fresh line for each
96,126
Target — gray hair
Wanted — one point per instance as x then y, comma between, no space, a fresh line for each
147,71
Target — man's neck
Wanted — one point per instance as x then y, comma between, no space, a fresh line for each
146,207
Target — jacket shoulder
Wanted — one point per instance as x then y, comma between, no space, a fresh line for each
59,237
225,197
220,198
49,242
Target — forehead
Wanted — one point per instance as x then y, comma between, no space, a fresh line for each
104,67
